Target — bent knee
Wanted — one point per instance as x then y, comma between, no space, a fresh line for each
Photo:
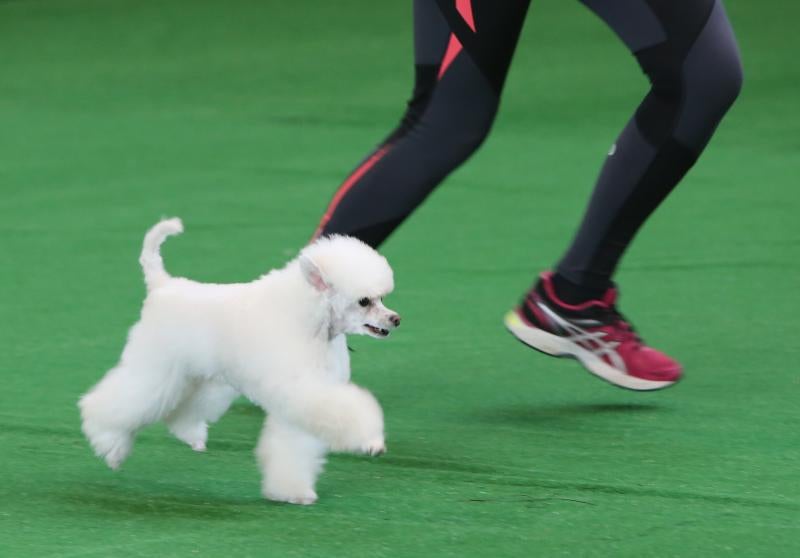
725,78
461,140
693,84
713,81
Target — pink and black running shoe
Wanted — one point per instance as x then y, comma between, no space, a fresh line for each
595,333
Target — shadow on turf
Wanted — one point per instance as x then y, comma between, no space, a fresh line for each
118,500
568,412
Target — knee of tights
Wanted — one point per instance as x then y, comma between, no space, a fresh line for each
718,78
689,95
460,140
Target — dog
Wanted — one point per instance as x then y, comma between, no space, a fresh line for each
279,340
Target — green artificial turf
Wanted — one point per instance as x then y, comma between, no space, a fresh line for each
242,117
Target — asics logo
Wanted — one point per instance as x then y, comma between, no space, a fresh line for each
592,341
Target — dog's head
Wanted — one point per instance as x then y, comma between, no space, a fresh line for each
353,279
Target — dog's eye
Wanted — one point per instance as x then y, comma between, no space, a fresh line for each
364,302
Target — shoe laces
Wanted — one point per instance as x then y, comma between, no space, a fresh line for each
623,330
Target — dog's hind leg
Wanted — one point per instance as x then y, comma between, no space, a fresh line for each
205,405
290,460
126,399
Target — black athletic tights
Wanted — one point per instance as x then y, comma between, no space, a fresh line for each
463,49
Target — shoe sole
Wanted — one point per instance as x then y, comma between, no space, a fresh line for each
556,346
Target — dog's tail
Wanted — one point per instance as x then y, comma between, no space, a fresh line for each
152,264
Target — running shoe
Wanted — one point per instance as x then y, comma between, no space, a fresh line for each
595,333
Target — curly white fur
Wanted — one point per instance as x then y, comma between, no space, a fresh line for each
279,340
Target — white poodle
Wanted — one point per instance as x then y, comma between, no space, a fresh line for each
279,340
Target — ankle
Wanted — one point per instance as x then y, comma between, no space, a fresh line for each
574,293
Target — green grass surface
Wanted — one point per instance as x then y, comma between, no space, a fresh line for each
242,117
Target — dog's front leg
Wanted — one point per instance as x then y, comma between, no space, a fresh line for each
359,418
345,416
290,461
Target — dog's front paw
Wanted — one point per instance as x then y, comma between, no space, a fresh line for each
375,447
304,499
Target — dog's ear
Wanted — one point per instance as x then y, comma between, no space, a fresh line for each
313,274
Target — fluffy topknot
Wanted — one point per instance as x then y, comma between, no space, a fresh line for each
350,267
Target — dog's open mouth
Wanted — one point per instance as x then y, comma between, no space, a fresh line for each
377,331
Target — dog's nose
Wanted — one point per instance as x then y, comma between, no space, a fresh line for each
395,319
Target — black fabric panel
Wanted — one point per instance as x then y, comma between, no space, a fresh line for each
682,20
497,29
672,161
657,114
424,85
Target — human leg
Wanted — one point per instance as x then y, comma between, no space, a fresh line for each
689,53
462,52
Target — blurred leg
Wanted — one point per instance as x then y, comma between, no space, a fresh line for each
462,51
689,53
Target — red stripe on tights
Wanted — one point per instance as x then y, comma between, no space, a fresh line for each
362,169
464,8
